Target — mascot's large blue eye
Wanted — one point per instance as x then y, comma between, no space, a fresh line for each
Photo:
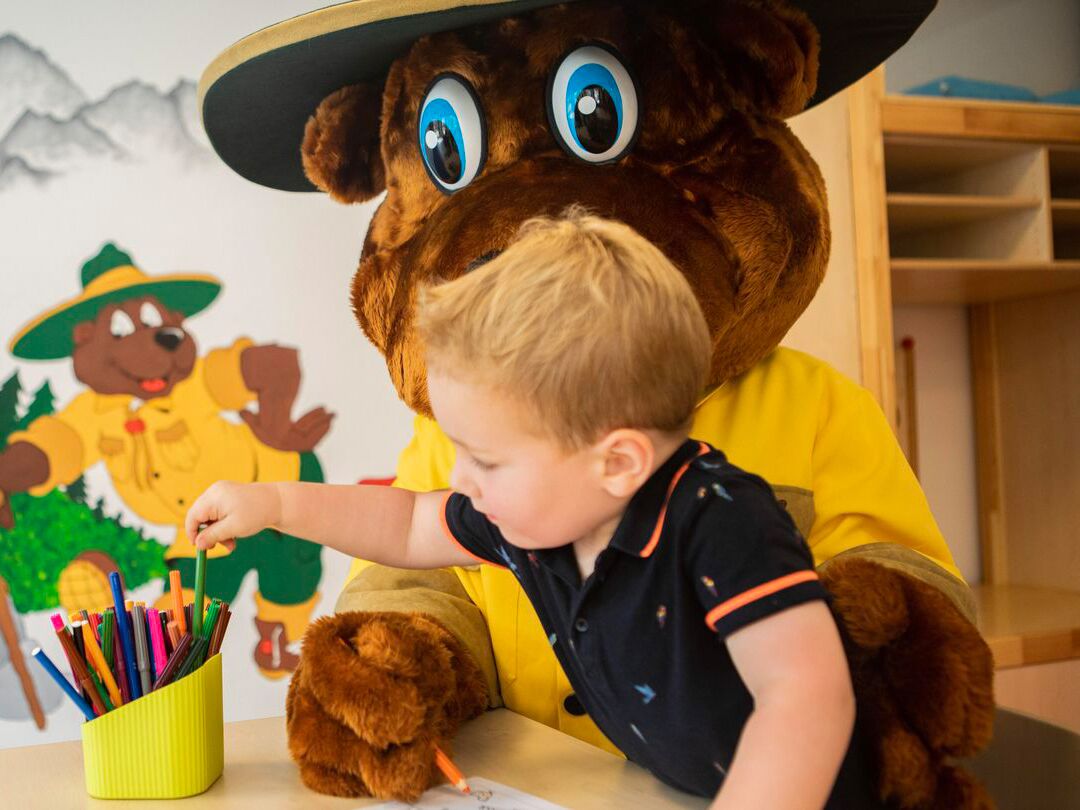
451,130
593,104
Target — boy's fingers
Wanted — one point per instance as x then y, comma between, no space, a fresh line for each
196,516
215,533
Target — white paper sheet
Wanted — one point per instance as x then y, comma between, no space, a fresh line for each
486,795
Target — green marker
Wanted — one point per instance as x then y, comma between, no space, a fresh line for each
200,590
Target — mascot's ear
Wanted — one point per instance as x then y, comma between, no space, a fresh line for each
341,144
769,53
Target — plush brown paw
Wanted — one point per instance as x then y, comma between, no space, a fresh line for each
923,678
372,697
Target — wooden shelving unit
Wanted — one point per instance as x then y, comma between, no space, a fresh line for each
978,204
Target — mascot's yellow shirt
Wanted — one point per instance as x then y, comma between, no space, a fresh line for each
818,438
162,453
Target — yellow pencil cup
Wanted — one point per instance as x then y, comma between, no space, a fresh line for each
165,745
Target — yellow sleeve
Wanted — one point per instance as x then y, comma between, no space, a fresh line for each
223,378
67,438
425,463
864,489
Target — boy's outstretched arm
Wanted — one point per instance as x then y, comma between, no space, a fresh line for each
793,744
387,525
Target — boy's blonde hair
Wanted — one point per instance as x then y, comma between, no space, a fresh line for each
583,321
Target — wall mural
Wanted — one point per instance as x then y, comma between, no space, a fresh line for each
116,407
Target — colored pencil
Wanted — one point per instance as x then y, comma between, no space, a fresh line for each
163,620
223,623
450,771
102,692
176,660
77,638
80,650
194,657
174,633
212,614
219,631
127,641
62,682
108,623
200,591
157,642
177,592
95,698
95,625
95,656
142,648
121,669
60,628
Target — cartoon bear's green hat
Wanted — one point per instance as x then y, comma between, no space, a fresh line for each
109,277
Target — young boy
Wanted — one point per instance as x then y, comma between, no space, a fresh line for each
679,597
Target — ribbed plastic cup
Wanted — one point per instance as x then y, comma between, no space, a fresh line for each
165,745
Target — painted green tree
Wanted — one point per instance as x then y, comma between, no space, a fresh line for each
44,403
76,490
9,406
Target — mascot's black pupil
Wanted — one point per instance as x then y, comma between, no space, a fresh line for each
442,153
596,121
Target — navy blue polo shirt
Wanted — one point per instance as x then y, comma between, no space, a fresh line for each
702,550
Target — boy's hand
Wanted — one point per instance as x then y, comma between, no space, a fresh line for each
232,510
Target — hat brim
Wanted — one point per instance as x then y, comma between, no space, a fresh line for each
257,95
48,337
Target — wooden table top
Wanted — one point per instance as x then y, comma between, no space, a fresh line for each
500,745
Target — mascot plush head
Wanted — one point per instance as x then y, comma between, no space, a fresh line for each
474,117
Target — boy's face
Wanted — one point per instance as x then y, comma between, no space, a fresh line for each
537,493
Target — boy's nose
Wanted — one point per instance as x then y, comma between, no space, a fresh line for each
460,482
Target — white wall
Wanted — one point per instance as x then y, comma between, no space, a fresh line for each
829,328
1030,43
285,259
946,423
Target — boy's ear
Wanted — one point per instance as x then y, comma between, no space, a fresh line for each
341,151
628,458
768,52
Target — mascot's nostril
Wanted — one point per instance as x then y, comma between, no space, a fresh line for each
481,260
169,338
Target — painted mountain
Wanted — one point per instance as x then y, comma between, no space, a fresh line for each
48,127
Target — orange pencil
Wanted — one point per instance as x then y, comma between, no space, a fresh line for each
177,591
95,698
97,658
450,771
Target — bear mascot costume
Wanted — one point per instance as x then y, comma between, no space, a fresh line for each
475,115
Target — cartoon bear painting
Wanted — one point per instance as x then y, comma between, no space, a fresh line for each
153,414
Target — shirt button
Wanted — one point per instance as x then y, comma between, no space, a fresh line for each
573,705
581,625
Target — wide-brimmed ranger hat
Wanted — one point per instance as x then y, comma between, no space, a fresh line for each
257,95
109,277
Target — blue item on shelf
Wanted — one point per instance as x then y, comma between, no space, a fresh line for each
1064,97
960,87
